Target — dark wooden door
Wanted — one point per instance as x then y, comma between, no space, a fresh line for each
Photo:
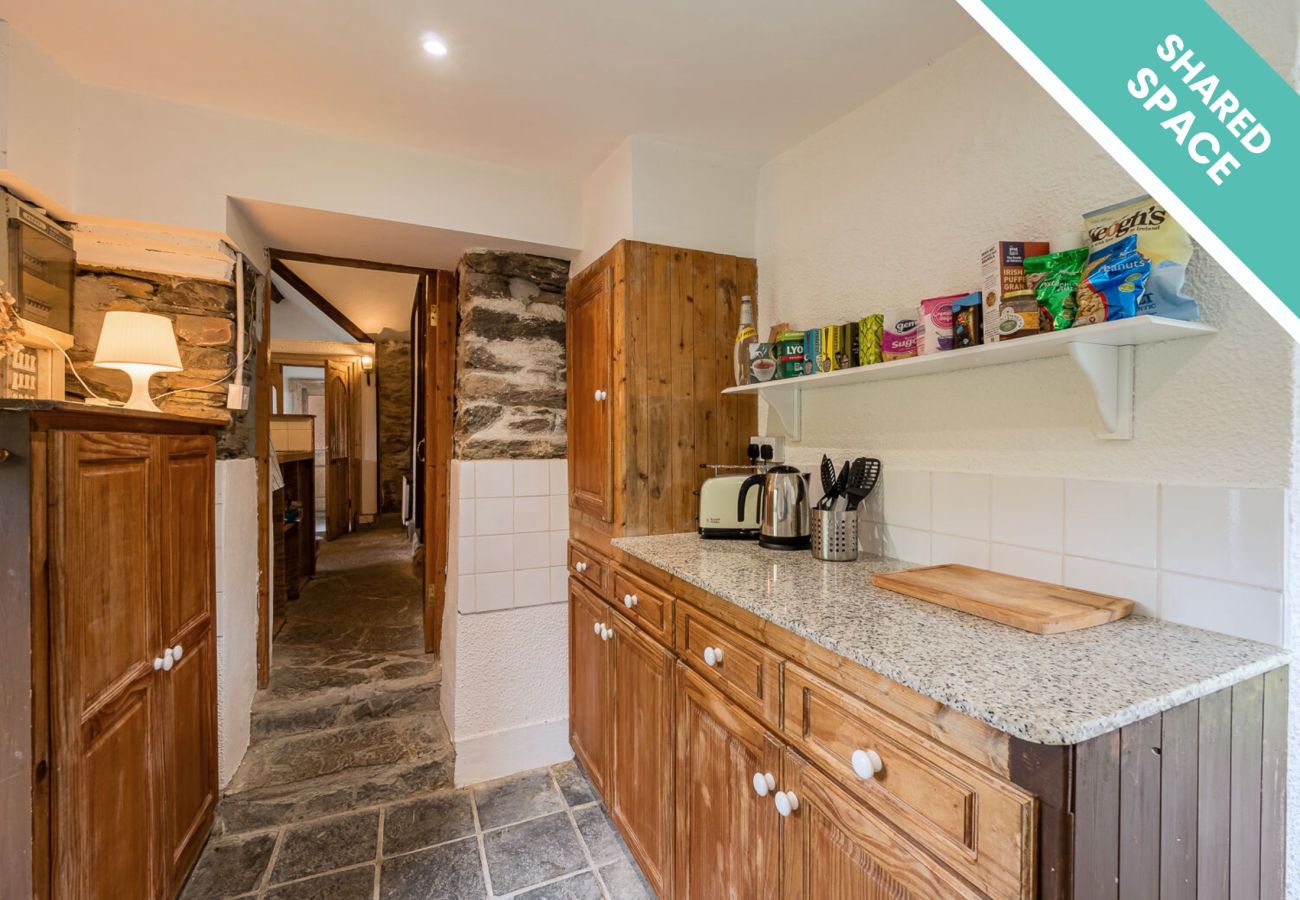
438,402
106,581
835,849
642,750
728,837
589,683
591,395
187,707
338,446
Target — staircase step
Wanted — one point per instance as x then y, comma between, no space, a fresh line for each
347,706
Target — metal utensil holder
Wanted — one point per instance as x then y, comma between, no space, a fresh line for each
835,534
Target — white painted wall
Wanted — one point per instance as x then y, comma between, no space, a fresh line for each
39,108
236,530
505,651
606,206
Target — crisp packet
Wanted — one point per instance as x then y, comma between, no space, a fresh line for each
1160,240
1115,277
1055,279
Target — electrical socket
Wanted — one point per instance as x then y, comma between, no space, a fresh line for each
776,443
237,397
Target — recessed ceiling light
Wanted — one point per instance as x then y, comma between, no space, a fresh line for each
433,45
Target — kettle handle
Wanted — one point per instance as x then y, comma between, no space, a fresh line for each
744,490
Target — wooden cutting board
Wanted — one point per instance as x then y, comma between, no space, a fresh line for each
1020,602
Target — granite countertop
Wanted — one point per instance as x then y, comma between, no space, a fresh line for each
1049,689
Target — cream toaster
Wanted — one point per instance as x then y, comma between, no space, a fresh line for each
719,503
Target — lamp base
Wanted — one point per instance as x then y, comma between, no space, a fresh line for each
140,398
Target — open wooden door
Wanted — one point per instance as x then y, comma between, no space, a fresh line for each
439,327
338,448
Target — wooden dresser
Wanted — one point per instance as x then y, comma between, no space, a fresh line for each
108,768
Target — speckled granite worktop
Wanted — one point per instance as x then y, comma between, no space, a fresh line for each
1050,689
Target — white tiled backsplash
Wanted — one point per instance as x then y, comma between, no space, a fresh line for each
1210,557
511,520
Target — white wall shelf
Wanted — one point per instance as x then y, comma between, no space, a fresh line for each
1103,352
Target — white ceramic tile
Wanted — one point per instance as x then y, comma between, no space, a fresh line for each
1132,583
1231,533
532,550
494,478
559,584
559,514
960,504
494,553
532,477
908,544
495,590
559,469
1027,563
1235,609
1028,512
946,548
465,517
1114,521
532,514
465,478
532,586
495,515
465,556
906,501
465,593
559,544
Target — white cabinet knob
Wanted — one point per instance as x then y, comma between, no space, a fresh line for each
866,763
168,660
607,633
630,600
713,656
580,566
600,395
786,803
763,782
177,651
598,628
157,663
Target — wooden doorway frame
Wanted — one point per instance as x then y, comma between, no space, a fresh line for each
440,295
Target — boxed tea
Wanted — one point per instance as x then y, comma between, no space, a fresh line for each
847,357
966,321
1003,267
870,331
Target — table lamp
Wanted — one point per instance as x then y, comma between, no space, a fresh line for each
141,345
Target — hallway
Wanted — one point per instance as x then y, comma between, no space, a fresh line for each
346,791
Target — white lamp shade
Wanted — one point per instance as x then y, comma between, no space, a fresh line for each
138,339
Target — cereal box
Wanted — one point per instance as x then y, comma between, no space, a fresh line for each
1004,273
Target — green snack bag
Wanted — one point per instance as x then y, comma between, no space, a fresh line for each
1055,280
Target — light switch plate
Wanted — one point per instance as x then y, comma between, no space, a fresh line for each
237,397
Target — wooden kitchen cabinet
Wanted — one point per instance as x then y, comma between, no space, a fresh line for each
590,699
591,394
728,837
114,513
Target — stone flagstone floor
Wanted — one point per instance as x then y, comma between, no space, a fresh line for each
346,790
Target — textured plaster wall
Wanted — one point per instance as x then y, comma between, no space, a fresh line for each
236,609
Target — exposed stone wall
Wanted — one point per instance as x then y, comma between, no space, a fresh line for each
510,362
393,363
203,313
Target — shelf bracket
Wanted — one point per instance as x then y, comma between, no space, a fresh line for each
1110,371
788,406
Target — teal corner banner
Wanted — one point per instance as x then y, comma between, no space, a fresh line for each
1195,104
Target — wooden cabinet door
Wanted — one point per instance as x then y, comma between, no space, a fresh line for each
591,395
728,837
187,696
642,763
105,588
338,446
835,849
589,683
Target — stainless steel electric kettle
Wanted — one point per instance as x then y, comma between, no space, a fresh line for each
784,515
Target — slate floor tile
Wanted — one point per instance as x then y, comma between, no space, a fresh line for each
516,798
624,881
580,887
449,872
573,783
532,852
321,846
230,867
352,884
603,842
442,817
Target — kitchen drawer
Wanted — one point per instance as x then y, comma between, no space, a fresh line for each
644,604
977,823
588,567
744,669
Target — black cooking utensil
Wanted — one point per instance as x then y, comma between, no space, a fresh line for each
863,481
841,485
828,480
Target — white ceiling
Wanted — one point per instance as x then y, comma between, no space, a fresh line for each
373,299
544,85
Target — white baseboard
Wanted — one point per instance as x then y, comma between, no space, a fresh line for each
495,754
